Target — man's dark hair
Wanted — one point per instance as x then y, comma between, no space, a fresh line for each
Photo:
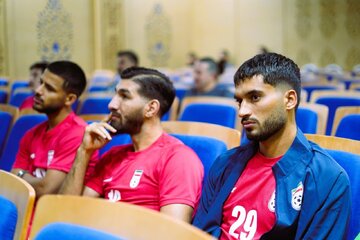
130,55
74,77
276,70
212,65
153,85
39,65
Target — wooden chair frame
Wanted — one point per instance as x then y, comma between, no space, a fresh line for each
231,137
335,143
333,93
121,219
22,194
322,113
340,113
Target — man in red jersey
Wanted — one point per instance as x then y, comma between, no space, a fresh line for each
47,151
156,171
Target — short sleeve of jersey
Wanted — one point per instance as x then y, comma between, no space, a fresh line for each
65,151
181,178
23,156
95,182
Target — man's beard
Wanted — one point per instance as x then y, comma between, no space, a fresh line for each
131,124
49,109
274,123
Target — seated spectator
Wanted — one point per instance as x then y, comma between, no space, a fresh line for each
36,70
124,60
280,185
206,81
156,171
47,151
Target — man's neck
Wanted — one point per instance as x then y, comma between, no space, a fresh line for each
149,133
55,118
278,144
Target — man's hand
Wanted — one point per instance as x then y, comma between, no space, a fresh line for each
97,135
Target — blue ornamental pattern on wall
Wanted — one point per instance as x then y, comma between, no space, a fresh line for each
55,32
158,34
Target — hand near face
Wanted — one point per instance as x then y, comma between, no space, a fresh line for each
97,135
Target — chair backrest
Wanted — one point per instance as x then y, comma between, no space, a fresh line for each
306,120
231,137
207,149
211,113
68,231
8,219
22,194
5,123
322,112
18,84
13,111
340,113
117,140
171,115
346,152
212,100
18,98
349,127
311,88
95,105
3,96
336,100
124,220
21,126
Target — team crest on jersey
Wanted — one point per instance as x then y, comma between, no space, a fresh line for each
296,196
114,196
134,182
50,156
39,173
271,204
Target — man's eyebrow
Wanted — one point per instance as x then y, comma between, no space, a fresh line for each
122,91
252,92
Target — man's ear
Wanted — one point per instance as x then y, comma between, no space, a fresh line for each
291,99
70,99
152,108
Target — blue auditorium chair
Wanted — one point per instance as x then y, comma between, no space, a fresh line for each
3,96
8,219
98,88
346,153
95,105
117,140
3,82
18,98
211,113
17,199
5,123
333,102
349,127
351,164
21,126
60,231
207,149
18,84
306,120
310,89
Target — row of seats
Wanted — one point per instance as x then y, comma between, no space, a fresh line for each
76,217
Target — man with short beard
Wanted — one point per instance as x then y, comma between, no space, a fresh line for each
156,171
279,186
47,151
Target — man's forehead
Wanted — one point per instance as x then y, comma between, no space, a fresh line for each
127,84
254,83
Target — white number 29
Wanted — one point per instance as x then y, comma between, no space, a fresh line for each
248,219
